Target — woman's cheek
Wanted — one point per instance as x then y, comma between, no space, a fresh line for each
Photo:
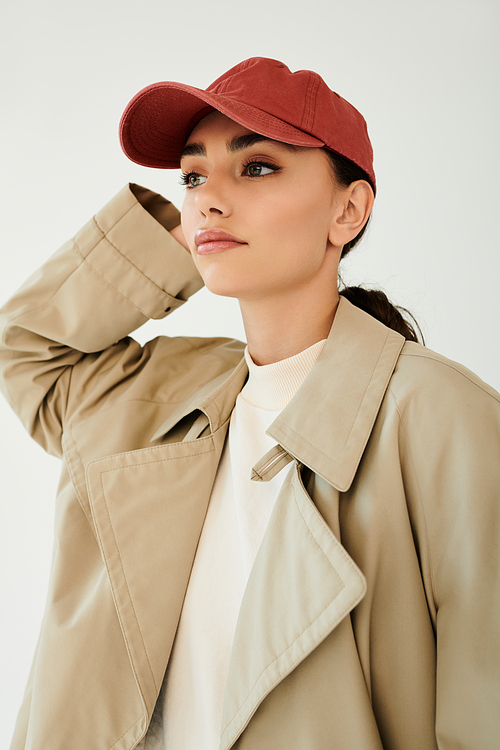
187,222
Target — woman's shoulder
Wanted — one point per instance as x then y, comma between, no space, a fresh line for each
430,367
428,383
176,367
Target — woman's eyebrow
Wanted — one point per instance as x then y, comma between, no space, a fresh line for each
238,143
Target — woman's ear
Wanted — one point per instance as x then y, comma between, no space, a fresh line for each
352,212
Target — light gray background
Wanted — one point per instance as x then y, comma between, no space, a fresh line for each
425,75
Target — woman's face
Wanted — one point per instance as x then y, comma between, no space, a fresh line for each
271,206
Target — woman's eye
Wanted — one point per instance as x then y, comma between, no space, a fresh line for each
257,169
193,179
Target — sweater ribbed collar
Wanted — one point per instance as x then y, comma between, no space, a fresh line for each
271,387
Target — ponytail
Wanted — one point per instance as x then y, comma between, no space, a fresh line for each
372,301
376,303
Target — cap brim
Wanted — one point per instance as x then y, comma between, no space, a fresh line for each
157,121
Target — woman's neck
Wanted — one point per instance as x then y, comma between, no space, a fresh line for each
279,328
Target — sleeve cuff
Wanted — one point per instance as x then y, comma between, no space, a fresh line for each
133,251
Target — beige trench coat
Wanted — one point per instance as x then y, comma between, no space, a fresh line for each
371,616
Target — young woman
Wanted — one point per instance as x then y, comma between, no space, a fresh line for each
293,544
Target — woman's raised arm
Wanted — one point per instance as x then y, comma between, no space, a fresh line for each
76,312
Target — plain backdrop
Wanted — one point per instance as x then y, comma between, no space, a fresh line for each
425,76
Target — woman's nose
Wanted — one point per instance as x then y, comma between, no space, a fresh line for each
213,197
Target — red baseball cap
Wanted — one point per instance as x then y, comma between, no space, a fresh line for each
261,94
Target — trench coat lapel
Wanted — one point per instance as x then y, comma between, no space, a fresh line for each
302,584
148,508
216,400
148,542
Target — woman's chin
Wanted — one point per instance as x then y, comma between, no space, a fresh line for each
227,290
218,284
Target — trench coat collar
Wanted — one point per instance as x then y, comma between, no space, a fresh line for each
328,422
215,399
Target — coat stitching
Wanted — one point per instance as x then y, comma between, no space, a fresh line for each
120,620
125,732
341,549
410,457
156,461
128,591
460,372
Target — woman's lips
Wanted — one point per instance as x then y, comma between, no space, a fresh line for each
215,241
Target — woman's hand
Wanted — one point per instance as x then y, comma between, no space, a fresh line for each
178,235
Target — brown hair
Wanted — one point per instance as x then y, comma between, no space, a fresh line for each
373,301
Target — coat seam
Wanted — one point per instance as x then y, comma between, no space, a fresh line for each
16,320
101,410
456,369
72,446
410,456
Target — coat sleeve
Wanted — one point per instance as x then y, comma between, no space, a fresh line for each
75,313
452,470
